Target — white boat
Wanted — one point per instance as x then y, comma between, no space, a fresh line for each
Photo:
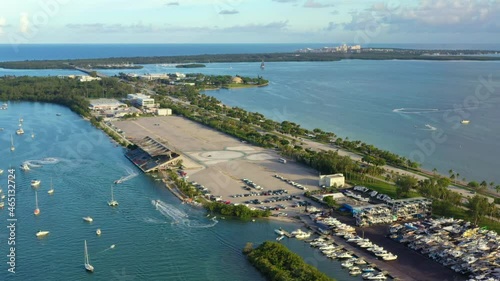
390,257
87,264
98,232
35,183
32,134
355,271
464,121
279,231
360,261
113,202
25,167
12,147
347,264
20,131
379,276
88,219
344,255
279,238
42,233
368,269
2,204
37,210
262,65
1,171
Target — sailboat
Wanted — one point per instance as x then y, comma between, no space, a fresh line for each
88,266
12,147
20,131
113,202
32,134
51,190
262,66
37,210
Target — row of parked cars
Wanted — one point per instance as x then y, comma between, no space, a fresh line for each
297,185
373,193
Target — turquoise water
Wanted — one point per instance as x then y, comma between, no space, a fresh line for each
168,242
407,107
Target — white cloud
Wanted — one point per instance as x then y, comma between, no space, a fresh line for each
436,16
313,4
3,23
24,23
228,12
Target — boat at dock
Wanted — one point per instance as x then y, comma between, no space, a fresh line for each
279,231
279,238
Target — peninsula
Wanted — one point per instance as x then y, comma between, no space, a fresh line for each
307,54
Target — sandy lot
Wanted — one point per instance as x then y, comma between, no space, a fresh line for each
218,161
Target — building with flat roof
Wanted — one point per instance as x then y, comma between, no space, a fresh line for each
141,100
106,104
163,111
337,180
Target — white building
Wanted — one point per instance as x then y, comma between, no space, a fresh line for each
141,100
106,104
337,180
163,111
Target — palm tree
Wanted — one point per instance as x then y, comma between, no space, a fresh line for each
497,188
434,171
450,172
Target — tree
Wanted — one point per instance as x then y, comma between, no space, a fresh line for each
405,183
329,201
478,208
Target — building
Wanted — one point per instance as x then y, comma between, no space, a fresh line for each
337,180
151,155
163,111
106,104
237,80
141,100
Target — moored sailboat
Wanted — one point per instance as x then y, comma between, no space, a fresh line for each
51,190
87,264
12,147
37,210
113,202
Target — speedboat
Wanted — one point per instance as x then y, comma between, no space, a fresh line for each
25,167
280,238
1,171
2,204
355,271
464,121
88,219
42,233
360,261
347,264
35,182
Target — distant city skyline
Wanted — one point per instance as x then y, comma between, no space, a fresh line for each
245,21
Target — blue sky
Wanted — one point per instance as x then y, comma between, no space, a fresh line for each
249,21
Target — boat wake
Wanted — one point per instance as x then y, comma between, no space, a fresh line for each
405,110
107,249
40,163
181,218
429,127
131,175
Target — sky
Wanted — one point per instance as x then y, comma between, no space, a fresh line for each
249,21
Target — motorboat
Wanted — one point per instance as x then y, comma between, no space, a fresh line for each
1,171
2,204
35,183
368,269
347,264
20,131
379,276
279,231
42,233
88,219
303,235
355,271
360,261
279,238
344,255
390,257
25,167
87,264
98,232
465,121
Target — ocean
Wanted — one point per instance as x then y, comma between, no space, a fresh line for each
170,241
412,108
408,107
